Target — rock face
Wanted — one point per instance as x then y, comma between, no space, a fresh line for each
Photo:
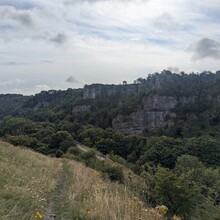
99,90
159,103
156,114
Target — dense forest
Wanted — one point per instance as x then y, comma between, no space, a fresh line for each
165,128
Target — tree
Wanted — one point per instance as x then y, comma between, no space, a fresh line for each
179,194
206,148
186,163
162,150
61,140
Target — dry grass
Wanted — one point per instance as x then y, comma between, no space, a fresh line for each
29,181
104,200
26,181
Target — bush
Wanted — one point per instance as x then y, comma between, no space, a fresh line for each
59,153
74,150
114,173
88,155
24,140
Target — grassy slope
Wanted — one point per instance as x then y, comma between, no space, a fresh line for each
27,180
31,182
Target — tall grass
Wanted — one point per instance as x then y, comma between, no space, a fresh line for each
31,182
26,182
93,198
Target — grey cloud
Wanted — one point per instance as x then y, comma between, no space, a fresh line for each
59,39
71,2
205,48
166,22
47,61
42,36
12,63
72,79
23,17
173,69
20,4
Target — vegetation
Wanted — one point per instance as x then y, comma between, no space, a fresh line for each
36,185
179,164
27,181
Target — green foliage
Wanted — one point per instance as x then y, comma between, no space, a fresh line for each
117,159
59,153
177,193
188,152
10,103
88,155
61,140
17,126
74,150
163,150
24,140
190,190
114,173
187,163
206,148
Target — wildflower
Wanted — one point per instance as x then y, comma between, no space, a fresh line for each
38,215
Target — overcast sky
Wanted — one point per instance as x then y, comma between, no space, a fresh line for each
60,44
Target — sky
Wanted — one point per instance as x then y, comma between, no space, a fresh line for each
60,44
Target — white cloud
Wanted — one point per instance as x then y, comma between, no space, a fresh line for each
45,42
13,82
39,88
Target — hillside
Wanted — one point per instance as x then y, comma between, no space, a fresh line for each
160,103
10,103
164,129
36,185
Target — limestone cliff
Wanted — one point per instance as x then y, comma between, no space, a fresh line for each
100,91
155,114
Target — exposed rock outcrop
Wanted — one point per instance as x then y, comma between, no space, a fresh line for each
156,114
99,90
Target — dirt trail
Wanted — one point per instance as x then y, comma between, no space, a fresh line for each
56,198
99,156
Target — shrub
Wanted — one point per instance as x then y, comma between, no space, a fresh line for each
114,173
74,150
59,153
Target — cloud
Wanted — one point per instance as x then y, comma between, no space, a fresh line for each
39,88
71,2
12,63
205,48
24,17
72,79
166,22
104,41
59,39
13,82
47,61
173,69
20,4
